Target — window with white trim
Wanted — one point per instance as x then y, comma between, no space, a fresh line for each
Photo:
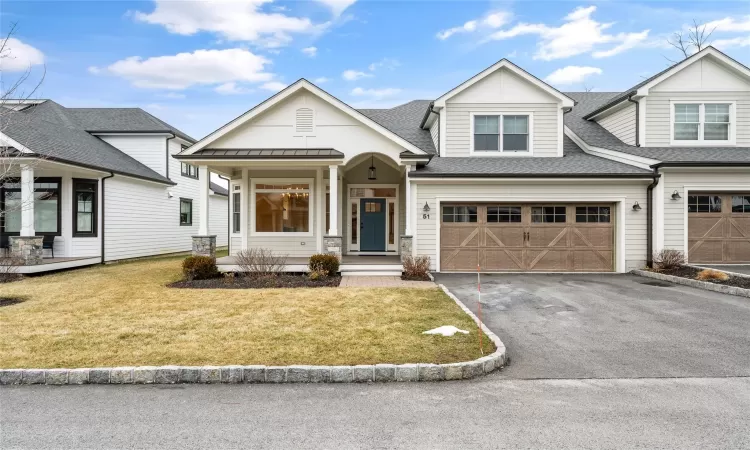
695,122
282,207
236,209
501,133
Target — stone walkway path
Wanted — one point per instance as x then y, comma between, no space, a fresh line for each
380,281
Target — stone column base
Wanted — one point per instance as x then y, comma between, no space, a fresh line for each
28,249
406,243
333,245
204,246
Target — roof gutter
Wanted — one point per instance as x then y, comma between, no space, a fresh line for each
650,219
111,174
609,105
701,164
637,120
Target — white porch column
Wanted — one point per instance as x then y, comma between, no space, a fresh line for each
320,207
333,174
244,206
409,206
27,201
204,179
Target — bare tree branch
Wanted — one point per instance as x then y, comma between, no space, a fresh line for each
695,39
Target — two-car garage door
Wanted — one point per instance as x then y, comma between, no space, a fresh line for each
527,237
719,228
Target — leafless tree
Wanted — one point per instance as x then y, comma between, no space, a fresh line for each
692,40
587,88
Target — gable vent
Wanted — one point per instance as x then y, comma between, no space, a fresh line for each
304,122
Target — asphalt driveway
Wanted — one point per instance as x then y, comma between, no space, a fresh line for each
610,326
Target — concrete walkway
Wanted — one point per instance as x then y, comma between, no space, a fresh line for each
383,282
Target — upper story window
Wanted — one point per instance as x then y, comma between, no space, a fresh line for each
189,170
696,123
501,133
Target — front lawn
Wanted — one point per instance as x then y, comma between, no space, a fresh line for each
124,315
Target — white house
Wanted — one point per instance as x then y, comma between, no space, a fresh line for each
502,173
89,185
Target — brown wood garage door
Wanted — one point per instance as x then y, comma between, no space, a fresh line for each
527,237
719,228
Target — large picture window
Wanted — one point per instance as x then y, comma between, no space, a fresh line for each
84,208
702,123
46,206
501,133
282,207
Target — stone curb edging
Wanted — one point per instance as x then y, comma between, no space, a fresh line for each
267,374
705,285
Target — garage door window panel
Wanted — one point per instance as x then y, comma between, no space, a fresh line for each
741,204
548,214
593,214
460,214
504,214
704,204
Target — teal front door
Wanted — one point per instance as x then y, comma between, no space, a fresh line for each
372,229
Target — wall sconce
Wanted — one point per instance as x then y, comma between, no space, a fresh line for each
636,207
676,195
170,194
426,207
371,172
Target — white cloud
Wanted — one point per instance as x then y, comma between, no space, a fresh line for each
571,75
273,86
352,75
376,94
729,24
173,95
17,56
385,63
310,51
183,70
733,42
321,80
579,34
236,20
491,20
231,88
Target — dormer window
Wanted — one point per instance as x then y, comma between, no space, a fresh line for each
501,134
695,123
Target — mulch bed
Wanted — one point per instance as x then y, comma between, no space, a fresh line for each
414,278
279,281
691,272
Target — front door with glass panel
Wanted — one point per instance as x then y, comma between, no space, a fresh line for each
372,228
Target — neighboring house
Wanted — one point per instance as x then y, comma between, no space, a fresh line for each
501,173
104,183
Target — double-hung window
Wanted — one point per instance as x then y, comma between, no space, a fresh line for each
189,170
501,133
84,207
702,123
282,207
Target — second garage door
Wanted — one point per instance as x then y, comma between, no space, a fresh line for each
719,228
527,237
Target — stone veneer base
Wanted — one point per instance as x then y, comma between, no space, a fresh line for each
269,374
705,285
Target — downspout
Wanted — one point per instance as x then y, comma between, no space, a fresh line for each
229,212
650,219
167,158
432,110
637,120
111,174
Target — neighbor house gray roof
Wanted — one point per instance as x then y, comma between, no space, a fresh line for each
595,135
50,131
404,121
220,190
122,120
574,163
264,153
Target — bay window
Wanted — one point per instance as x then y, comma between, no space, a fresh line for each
282,207
698,123
501,133
84,208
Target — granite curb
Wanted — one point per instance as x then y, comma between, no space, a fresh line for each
235,374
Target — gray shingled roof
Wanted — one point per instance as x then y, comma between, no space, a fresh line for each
573,163
264,153
404,121
122,120
51,132
220,190
595,135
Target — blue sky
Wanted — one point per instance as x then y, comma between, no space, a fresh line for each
198,65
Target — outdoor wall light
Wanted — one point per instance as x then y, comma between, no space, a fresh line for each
426,207
676,195
636,207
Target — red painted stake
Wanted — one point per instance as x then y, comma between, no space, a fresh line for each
479,309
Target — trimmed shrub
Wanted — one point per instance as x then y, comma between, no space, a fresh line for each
711,275
416,267
324,264
668,259
199,268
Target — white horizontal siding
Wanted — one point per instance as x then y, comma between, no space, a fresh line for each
435,133
635,222
149,150
621,124
674,210
658,114
459,133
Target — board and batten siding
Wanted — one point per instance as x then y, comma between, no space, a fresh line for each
674,210
459,133
658,114
540,192
621,124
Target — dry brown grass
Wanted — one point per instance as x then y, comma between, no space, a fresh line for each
711,275
124,315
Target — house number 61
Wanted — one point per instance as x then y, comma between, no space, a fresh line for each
425,216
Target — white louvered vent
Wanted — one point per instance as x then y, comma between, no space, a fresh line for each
304,122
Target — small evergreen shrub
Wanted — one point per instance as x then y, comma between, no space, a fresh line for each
324,264
199,268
